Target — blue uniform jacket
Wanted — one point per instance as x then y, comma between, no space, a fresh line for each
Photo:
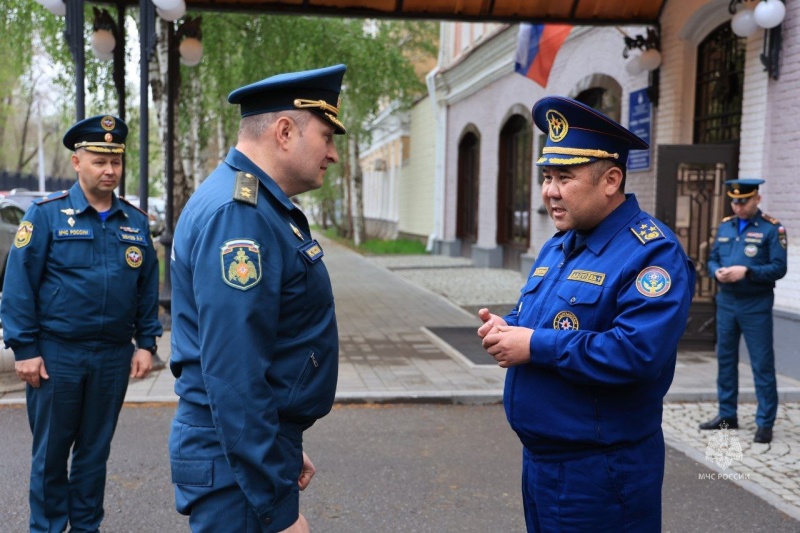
606,321
254,334
74,278
761,247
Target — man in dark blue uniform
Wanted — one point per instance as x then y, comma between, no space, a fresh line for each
254,339
747,258
592,343
81,283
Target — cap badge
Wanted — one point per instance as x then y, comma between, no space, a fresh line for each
108,137
108,123
557,124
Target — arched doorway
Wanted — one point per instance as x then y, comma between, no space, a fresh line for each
514,190
468,185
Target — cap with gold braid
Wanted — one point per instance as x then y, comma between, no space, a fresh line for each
312,90
743,189
104,134
578,134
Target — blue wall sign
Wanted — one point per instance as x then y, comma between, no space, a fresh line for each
640,113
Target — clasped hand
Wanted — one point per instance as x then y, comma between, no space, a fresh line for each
508,345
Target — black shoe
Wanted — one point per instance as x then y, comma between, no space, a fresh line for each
718,423
763,435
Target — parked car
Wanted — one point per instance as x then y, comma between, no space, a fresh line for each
155,212
24,198
10,216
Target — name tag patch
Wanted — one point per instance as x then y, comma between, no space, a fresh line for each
541,271
127,237
595,278
311,251
72,233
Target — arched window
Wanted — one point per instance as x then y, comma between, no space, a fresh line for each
514,189
468,182
720,80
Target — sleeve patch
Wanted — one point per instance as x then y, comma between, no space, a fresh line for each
24,234
653,281
241,263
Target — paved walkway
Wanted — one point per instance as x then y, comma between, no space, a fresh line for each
386,308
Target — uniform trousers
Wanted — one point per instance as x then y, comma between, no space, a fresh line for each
750,315
76,409
205,486
611,491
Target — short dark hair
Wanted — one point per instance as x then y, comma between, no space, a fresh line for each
601,166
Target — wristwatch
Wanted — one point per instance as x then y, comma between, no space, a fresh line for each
152,349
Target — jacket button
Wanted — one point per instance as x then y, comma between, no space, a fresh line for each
572,300
266,520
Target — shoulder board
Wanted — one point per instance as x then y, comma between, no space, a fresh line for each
55,196
134,206
646,230
770,219
728,219
246,188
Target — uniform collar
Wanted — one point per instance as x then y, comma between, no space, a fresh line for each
610,226
239,161
81,204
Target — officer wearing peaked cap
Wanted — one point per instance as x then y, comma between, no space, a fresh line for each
81,282
591,345
748,256
254,339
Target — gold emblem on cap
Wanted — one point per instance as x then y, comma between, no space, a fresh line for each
557,125
107,123
108,137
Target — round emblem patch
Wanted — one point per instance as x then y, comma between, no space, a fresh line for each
653,281
565,320
751,250
134,257
557,125
24,233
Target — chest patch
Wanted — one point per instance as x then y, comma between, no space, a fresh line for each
751,250
134,257
565,320
539,272
653,281
311,251
241,263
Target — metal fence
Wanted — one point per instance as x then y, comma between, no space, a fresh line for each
13,180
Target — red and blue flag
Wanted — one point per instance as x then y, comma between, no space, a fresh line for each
537,46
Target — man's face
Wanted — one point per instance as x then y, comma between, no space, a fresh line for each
99,174
747,209
573,198
314,150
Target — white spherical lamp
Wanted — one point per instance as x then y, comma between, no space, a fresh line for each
634,66
103,42
770,13
191,51
166,5
743,23
650,59
173,14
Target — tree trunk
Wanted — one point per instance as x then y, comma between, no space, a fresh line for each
358,191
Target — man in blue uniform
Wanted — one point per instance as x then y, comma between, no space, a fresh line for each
81,283
747,258
254,338
591,345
